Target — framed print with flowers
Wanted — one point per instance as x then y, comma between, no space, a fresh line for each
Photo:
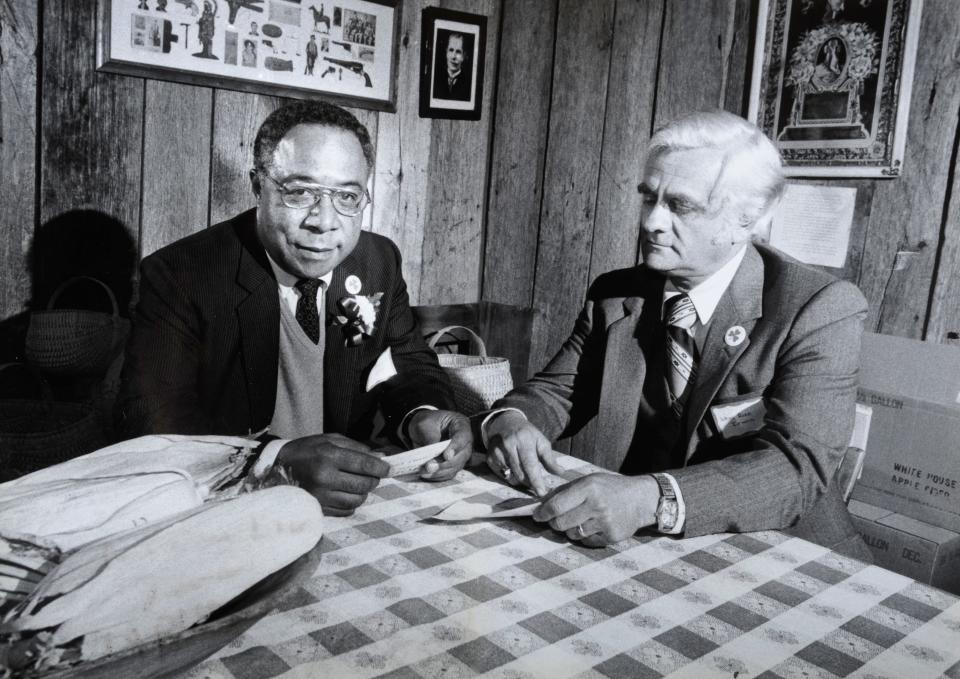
831,83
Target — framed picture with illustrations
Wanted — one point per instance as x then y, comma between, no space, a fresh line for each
344,51
831,83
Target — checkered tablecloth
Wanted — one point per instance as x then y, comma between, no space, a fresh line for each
400,596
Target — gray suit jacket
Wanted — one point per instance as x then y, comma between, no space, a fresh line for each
800,355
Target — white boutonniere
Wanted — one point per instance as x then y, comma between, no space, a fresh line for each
357,317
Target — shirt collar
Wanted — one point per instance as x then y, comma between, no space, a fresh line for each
286,280
706,295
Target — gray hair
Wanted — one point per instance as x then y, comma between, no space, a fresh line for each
751,173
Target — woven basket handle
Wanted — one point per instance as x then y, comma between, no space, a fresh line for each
45,391
446,331
70,281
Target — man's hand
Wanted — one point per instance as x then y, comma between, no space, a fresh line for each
338,471
429,426
607,508
515,444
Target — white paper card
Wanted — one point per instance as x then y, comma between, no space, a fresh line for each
409,462
813,223
739,418
468,510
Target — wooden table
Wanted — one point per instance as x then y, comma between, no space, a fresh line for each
399,595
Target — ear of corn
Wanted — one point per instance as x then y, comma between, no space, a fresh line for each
120,487
162,578
70,512
211,461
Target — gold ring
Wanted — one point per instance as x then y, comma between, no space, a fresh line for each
506,473
580,531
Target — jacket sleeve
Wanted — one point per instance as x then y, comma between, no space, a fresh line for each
768,479
159,393
560,399
419,380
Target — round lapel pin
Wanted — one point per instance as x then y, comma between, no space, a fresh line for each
352,284
735,336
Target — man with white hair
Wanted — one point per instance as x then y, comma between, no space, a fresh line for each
721,373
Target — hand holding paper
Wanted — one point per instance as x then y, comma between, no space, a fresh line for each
429,426
518,453
411,461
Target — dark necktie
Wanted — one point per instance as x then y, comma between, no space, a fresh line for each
307,315
679,314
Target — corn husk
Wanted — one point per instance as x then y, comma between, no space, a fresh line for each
68,513
160,579
22,566
211,461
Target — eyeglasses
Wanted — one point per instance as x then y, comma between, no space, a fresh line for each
347,203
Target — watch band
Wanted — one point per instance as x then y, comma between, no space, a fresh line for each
666,490
668,507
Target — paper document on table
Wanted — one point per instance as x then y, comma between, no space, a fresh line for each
410,461
813,223
467,510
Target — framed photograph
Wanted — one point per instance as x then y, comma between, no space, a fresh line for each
831,83
344,51
453,45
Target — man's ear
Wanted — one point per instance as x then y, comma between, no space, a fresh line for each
255,183
743,229
764,222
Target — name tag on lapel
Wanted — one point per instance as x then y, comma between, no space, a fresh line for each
739,418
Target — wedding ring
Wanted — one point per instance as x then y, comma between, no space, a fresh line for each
506,473
580,531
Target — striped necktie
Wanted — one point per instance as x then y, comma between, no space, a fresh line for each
307,315
679,315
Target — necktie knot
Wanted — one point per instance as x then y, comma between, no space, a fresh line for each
680,312
308,287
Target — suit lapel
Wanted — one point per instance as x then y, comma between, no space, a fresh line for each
741,305
629,337
258,316
338,359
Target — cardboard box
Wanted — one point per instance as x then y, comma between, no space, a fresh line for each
912,464
913,548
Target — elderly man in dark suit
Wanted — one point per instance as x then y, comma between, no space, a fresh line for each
721,374
288,316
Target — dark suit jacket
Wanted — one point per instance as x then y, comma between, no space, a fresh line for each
801,355
461,86
203,352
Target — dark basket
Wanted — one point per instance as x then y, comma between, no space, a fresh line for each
75,342
37,433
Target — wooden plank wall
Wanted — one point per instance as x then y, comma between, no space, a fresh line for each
18,144
622,67
524,207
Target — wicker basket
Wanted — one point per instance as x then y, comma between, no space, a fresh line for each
477,381
37,433
75,342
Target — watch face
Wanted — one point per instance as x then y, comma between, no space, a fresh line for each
667,514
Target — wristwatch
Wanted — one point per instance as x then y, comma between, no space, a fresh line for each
667,508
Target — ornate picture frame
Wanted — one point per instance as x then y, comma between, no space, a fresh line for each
453,47
831,83
341,50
